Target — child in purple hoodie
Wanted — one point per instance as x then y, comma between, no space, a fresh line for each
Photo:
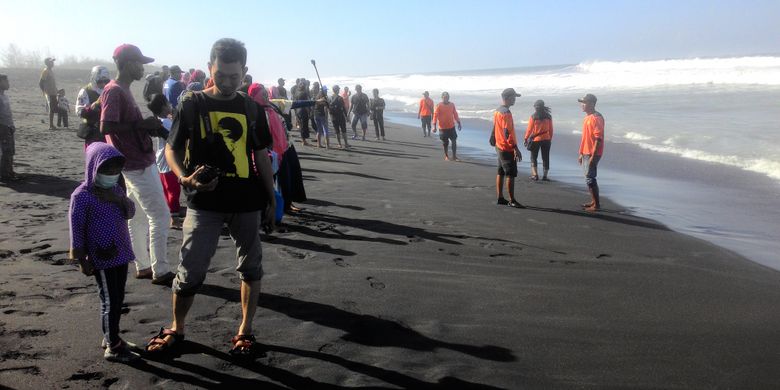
100,240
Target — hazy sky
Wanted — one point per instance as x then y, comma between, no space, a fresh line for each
366,37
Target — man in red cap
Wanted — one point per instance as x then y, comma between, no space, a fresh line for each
127,130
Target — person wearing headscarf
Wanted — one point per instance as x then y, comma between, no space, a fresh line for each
290,175
259,94
88,103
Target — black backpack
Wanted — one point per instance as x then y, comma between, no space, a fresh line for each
336,106
89,128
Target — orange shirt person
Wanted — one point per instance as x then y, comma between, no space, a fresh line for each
538,136
444,117
591,148
425,113
506,148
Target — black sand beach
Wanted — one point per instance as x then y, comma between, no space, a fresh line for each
401,272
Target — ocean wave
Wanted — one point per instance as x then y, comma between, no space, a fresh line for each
763,166
592,75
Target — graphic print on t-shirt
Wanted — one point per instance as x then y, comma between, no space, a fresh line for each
231,128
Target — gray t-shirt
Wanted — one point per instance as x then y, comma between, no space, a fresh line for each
5,111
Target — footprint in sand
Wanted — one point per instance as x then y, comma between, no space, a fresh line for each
53,257
24,313
375,284
326,348
4,253
291,253
565,262
500,255
413,238
341,263
603,255
86,376
350,306
29,370
31,333
19,355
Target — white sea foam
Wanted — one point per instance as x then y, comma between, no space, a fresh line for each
633,136
760,165
594,75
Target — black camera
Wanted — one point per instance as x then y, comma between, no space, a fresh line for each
208,174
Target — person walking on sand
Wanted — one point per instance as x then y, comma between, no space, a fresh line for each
223,188
173,87
377,106
279,91
7,130
302,93
444,117
321,118
346,95
506,148
127,130
591,149
100,240
359,108
425,113
49,88
88,104
539,134
338,115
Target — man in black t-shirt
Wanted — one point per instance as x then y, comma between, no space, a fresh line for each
338,114
217,148
359,107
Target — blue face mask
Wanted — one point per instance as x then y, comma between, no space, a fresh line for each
106,181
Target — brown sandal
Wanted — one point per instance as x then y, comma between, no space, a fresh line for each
162,345
243,345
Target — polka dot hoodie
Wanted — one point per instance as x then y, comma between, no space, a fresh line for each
96,226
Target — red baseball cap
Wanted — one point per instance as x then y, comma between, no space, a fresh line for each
128,52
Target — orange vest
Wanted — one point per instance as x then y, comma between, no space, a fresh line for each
592,129
504,129
446,114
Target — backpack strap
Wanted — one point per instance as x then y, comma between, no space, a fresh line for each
252,109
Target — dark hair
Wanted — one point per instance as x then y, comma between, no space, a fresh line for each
228,50
3,77
542,112
156,103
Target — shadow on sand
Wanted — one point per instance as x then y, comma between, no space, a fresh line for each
33,183
198,375
360,328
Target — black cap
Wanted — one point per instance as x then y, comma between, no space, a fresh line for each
174,69
280,80
509,92
589,98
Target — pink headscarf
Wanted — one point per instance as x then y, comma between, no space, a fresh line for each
255,91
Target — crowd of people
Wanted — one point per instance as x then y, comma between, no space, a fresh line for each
225,142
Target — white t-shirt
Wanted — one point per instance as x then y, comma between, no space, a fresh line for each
159,147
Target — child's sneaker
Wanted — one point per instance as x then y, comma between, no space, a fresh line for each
123,354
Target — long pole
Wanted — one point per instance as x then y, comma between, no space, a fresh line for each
318,73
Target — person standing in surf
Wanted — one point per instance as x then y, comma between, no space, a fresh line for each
591,148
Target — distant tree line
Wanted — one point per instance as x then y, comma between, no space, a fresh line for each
14,57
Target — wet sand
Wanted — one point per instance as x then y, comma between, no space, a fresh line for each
401,272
